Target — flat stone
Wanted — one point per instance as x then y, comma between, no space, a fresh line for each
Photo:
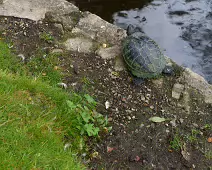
177,90
33,9
79,45
57,51
109,53
119,63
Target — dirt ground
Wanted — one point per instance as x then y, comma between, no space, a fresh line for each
135,142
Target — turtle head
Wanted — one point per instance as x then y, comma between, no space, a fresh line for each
132,29
169,70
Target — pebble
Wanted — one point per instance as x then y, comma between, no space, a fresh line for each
110,119
195,125
162,111
167,130
181,120
143,98
107,104
149,90
129,118
148,95
152,107
141,125
173,123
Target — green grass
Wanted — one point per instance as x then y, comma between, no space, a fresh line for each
37,118
7,60
32,125
42,67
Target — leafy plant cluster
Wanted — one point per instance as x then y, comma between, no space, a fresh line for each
47,37
88,121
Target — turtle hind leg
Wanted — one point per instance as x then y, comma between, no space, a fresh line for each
138,81
169,70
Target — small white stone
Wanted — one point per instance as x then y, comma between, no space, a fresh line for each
21,56
63,85
107,104
151,107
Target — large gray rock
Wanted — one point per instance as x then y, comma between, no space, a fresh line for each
199,83
94,27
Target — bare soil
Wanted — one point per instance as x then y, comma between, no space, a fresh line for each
134,142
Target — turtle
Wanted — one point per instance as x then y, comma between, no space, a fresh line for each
143,56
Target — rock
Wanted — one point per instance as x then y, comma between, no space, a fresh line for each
57,51
79,45
173,123
109,53
129,118
92,26
186,99
68,19
198,82
177,90
151,107
59,28
34,10
119,64
142,97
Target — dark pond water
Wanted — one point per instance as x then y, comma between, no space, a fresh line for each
182,28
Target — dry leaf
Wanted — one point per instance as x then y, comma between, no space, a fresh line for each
109,149
157,119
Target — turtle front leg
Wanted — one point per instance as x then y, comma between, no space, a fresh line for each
138,81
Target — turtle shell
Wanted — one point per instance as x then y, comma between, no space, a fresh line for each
143,56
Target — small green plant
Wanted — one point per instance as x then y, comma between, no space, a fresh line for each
86,81
46,37
176,143
88,120
208,127
193,137
208,155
